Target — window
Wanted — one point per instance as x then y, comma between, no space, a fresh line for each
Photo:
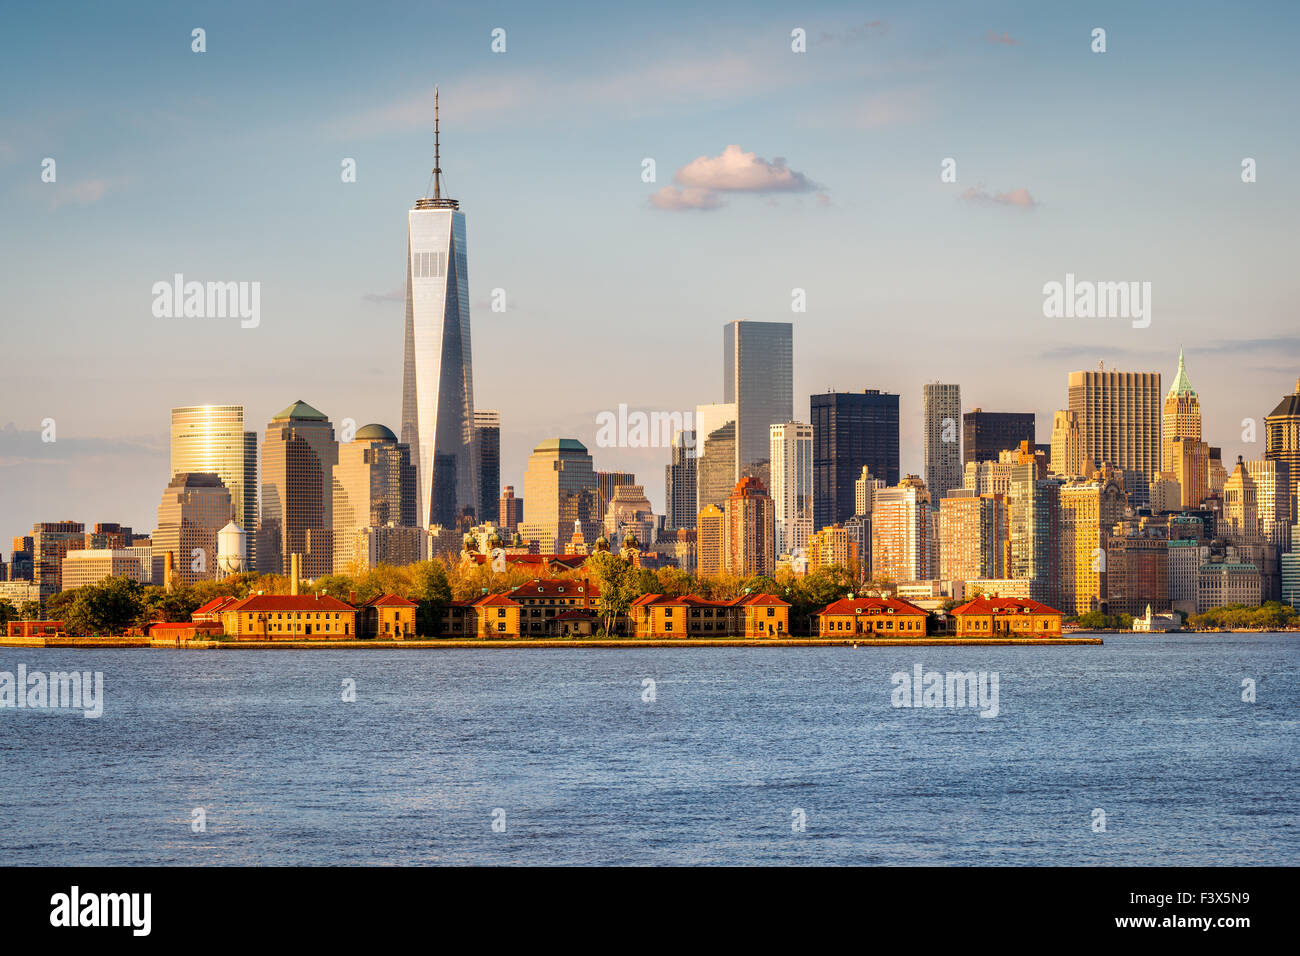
501,626
428,265
501,612
771,612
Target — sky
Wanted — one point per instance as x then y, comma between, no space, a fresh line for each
775,170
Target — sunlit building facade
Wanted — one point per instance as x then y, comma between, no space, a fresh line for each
211,439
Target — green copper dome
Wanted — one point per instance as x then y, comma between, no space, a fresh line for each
1182,385
374,433
301,411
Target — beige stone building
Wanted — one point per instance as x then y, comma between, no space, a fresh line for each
1089,510
710,541
974,535
1119,421
193,510
750,530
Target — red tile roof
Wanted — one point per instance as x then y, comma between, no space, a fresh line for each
864,605
389,600
495,600
289,602
996,605
763,599
214,604
554,587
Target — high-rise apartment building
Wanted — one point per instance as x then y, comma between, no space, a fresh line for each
850,429
437,372
680,483
986,434
1181,416
941,411
211,439
1035,520
1256,505
1119,418
51,542
758,378
487,441
989,477
792,478
716,464
1067,444
1190,466
510,510
1282,443
863,489
374,487
560,488
901,528
1088,512
193,510
836,545
298,458
974,536
750,530
1137,573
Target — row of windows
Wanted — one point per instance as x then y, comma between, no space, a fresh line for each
428,265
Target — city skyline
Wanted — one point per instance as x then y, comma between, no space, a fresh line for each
109,459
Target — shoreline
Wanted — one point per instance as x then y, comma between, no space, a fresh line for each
85,643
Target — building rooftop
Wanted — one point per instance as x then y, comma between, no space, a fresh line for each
374,433
301,411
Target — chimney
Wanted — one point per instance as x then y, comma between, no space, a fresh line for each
352,598
295,571
169,560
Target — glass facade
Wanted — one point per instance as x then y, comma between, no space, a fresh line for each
210,439
437,374
850,429
758,376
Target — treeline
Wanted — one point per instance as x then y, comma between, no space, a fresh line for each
1269,616
117,604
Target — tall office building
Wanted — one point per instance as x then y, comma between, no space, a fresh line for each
210,439
1067,444
680,483
193,510
437,373
487,438
974,536
792,478
758,377
710,541
1181,417
607,485
750,530
1282,442
986,434
298,458
1190,466
374,487
1119,418
901,530
941,408
1089,510
1256,504
1035,517
560,488
717,467
850,429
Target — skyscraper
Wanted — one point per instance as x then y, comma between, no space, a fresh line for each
680,483
1181,416
487,436
1088,512
560,488
974,532
298,458
193,510
1119,419
1035,517
750,530
210,439
1067,444
850,429
716,467
1282,442
901,528
986,434
941,408
758,376
792,496
374,487
437,373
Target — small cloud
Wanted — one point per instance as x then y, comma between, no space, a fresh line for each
82,193
738,171
1005,38
1015,197
672,198
397,295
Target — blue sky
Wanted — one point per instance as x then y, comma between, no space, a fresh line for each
225,165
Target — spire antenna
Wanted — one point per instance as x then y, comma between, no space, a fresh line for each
437,202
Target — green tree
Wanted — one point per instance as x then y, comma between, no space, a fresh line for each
29,611
109,607
7,613
617,580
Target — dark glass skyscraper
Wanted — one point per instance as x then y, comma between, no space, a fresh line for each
984,434
487,435
758,376
850,429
